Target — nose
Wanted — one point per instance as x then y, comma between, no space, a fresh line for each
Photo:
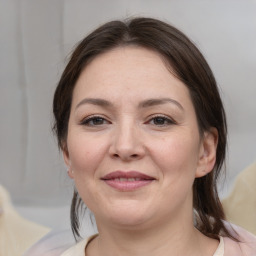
127,144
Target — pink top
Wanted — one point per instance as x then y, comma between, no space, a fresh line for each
51,245
247,246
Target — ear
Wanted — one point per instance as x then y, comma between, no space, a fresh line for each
67,161
207,152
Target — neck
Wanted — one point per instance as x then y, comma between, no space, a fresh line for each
166,239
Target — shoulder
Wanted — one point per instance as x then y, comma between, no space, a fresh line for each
79,248
59,243
246,245
53,244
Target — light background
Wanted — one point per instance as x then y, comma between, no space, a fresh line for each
35,38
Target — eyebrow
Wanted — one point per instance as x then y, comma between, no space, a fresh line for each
161,101
94,101
143,104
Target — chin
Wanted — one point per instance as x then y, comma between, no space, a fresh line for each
128,218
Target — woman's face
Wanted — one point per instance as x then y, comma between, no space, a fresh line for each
133,142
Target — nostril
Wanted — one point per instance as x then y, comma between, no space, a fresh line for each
128,156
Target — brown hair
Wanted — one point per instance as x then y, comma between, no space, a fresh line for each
188,65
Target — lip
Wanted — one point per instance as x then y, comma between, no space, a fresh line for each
127,181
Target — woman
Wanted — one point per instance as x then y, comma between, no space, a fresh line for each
143,133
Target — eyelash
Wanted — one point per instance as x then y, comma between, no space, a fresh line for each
167,120
89,119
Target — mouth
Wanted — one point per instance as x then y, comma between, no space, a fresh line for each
127,181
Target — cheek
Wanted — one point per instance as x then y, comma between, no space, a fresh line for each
86,157
176,158
85,153
176,153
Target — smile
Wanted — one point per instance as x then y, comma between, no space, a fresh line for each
127,181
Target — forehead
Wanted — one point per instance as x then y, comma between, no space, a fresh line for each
126,58
135,71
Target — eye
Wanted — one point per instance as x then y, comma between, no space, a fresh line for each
161,121
94,121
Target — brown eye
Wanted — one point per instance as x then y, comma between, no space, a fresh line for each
161,121
94,121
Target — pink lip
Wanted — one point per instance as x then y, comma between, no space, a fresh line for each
134,180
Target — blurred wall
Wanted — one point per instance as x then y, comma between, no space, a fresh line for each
35,38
